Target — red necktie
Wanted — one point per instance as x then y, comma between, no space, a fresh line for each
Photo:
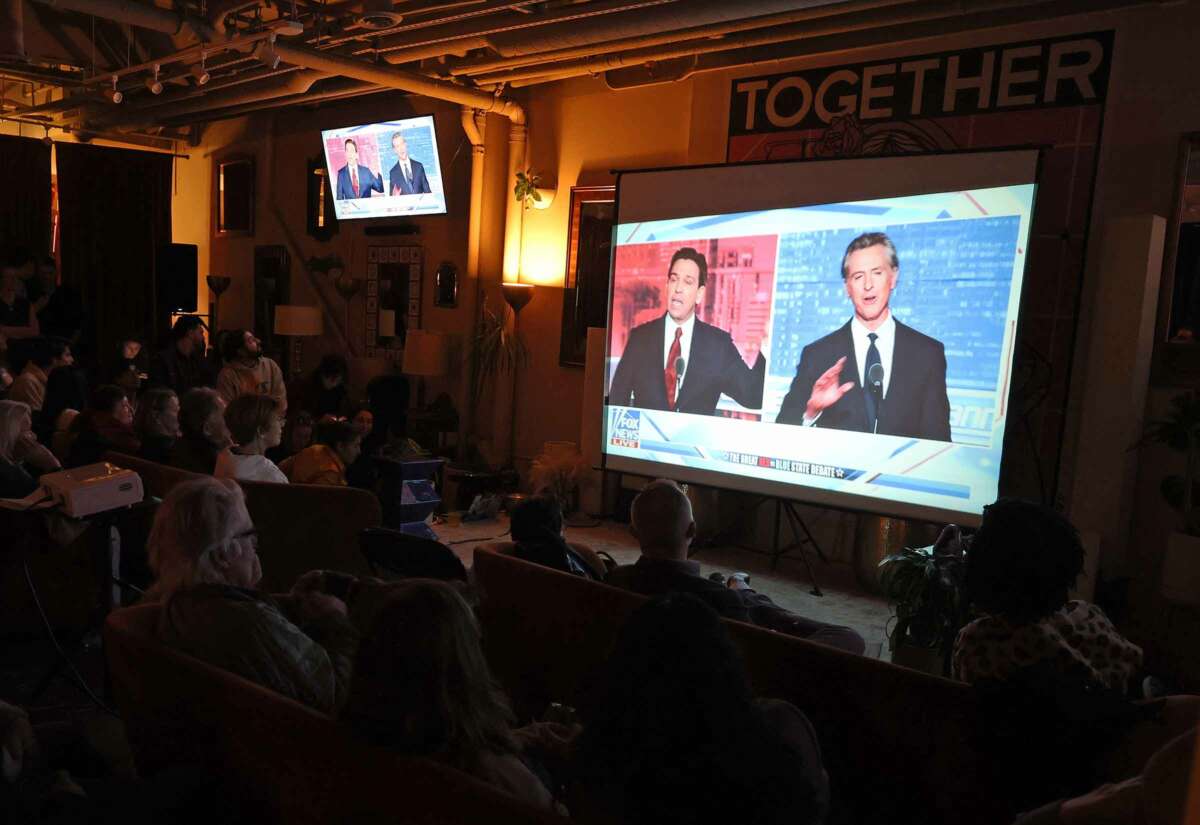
354,181
669,376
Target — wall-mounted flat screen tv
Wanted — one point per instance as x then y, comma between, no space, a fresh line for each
384,170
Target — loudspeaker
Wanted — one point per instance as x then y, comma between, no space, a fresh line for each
175,270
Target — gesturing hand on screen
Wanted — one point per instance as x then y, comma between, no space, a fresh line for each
828,389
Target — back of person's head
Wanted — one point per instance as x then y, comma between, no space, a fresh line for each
64,391
421,683
671,731
195,408
537,518
333,432
661,517
232,342
44,351
106,398
1023,560
197,536
14,417
248,415
332,366
154,403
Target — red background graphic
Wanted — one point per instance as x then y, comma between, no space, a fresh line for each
368,156
738,292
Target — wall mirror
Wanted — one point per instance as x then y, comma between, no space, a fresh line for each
235,196
1181,258
585,287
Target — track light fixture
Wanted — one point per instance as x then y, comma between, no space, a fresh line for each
153,83
200,73
265,53
113,95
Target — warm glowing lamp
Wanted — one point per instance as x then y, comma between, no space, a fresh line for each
517,295
298,322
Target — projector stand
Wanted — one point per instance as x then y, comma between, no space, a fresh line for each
797,524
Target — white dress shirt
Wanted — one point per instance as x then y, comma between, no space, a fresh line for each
685,341
885,342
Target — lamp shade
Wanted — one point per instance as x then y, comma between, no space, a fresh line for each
298,320
424,353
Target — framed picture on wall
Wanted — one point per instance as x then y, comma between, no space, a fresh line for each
235,196
589,254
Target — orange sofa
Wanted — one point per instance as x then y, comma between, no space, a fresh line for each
280,760
898,743
301,527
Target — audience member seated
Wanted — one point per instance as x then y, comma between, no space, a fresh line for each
537,530
6,380
338,445
673,734
203,433
364,472
182,365
157,424
45,356
66,397
22,458
107,424
59,309
421,686
324,392
1021,566
247,371
662,521
202,550
129,367
256,426
297,434
17,318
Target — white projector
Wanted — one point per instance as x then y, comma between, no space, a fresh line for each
95,488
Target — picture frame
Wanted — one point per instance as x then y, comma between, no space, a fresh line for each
589,260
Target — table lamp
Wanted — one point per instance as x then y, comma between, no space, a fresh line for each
298,322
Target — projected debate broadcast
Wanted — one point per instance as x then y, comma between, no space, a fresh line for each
860,348
385,169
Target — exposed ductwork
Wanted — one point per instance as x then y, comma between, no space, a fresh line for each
142,15
400,79
293,83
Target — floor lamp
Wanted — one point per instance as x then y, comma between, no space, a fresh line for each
297,322
517,296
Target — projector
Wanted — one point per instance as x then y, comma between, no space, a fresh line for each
95,488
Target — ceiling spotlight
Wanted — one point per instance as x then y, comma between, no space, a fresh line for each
265,53
153,83
113,95
200,73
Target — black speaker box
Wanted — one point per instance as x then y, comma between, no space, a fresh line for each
175,270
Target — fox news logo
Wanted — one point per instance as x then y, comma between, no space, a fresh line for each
626,429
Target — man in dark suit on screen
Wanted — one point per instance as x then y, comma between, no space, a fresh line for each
874,374
407,177
355,181
678,362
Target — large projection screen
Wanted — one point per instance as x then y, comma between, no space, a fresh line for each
836,332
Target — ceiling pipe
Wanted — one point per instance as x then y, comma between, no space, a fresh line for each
775,34
330,90
495,65
297,83
12,31
400,79
142,15
481,9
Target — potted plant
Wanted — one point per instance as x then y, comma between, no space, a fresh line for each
1180,430
559,470
525,189
926,588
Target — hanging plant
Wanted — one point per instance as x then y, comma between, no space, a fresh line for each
525,191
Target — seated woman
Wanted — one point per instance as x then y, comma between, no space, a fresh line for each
203,551
256,426
537,529
203,433
157,424
297,434
107,424
22,458
338,445
421,686
674,735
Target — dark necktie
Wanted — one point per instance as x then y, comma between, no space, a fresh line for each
354,181
670,377
868,393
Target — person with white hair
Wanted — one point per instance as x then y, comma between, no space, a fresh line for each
203,551
22,458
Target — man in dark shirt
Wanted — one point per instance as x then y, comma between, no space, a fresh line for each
182,365
663,524
58,308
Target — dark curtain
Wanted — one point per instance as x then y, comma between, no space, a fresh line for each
25,207
115,212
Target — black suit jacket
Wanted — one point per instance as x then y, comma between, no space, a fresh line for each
916,405
396,180
714,366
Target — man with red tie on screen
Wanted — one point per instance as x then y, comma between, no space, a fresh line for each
355,181
679,363
873,374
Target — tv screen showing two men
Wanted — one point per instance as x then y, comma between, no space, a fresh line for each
860,348
385,169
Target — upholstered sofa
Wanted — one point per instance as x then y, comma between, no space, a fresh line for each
301,527
898,744
280,761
